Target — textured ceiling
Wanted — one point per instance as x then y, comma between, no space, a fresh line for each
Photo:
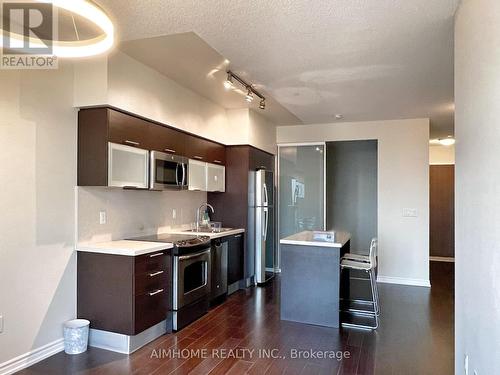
365,59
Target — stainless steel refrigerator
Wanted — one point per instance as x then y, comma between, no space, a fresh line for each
263,233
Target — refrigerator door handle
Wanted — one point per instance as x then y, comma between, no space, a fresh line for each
266,222
266,200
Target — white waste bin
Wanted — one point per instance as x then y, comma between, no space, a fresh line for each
76,336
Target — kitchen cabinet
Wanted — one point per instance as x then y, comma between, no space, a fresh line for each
102,126
206,176
235,258
167,140
127,166
127,130
197,172
219,254
204,150
216,178
124,294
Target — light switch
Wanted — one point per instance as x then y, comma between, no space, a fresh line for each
410,212
102,217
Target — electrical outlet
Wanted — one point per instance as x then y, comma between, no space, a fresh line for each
174,214
103,217
410,212
1,323
466,365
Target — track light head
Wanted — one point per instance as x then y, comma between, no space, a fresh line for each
262,104
228,83
249,97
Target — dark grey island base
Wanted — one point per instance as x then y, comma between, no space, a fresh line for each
310,278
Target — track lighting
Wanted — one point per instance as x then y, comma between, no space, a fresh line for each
229,83
249,97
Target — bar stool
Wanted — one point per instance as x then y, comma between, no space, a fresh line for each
367,264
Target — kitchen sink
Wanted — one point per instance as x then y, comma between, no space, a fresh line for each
208,230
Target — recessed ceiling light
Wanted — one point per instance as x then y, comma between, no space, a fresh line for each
448,141
339,116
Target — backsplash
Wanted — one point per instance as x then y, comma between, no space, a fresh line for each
132,213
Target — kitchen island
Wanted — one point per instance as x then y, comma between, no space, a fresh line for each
310,277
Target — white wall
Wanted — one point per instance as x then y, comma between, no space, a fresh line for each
38,174
403,182
133,213
441,155
134,87
262,133
477,197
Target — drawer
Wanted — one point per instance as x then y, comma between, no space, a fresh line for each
152,281
157,261
150,309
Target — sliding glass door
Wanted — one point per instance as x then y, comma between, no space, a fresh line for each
301,188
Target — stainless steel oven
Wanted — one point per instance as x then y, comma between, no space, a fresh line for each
167,171
191,278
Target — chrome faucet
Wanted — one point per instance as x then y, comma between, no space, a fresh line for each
198,211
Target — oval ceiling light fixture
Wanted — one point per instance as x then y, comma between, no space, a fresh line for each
78,48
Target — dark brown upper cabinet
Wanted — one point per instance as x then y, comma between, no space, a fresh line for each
128,130
98,126
204,150
167,140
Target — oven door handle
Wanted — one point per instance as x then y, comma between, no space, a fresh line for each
177,174
191,256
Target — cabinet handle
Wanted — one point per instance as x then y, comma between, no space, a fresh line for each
155,292
262,167
217,161
170,150
155,273
132,143
156,255
198,157
238,236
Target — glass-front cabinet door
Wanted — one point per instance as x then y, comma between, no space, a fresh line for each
301,188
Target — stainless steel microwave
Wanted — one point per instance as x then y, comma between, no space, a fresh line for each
167,171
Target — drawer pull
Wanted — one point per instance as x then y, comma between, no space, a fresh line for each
132,143
170,150
156,255
198,157
155,274
155,292
217,161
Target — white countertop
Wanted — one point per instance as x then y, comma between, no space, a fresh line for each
307,239
125,247
135,248
211,235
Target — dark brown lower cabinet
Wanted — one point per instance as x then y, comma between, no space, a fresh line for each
235,258
124,294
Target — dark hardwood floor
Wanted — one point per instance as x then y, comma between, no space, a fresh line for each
415,337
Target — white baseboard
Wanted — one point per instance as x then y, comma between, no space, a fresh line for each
442,259
32,357
403,281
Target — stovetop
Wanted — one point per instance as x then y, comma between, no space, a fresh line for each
183,243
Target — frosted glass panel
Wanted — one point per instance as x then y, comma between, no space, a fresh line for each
128,166
301,189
